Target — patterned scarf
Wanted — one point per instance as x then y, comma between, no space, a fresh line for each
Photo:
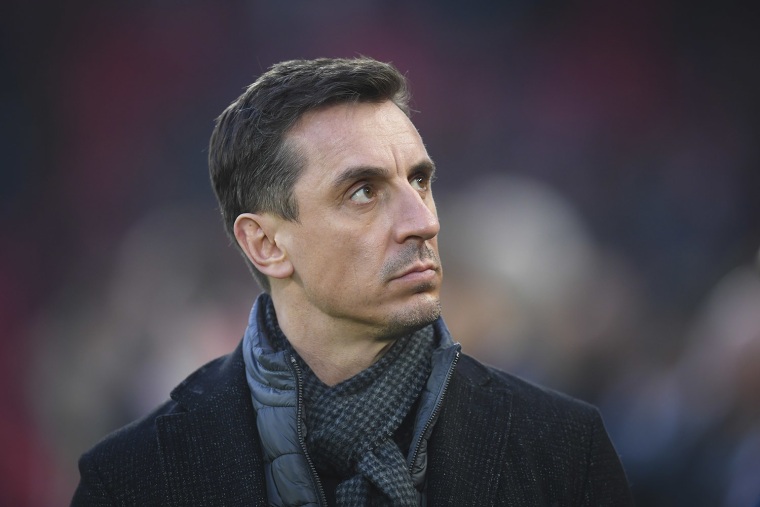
351,425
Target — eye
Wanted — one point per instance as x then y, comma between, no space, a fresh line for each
364,195
420,182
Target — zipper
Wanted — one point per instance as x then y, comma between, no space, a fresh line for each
301,439
436,409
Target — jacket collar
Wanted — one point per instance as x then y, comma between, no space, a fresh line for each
210,450
458,442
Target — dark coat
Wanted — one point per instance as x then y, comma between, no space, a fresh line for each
498,441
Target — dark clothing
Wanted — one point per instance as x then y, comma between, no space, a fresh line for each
302,430
498,441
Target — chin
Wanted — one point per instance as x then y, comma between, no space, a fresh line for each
414,315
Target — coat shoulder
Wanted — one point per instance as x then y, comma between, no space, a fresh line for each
124,468
140,435
543,446
113,471
525,395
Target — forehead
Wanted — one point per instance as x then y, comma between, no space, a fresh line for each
348,135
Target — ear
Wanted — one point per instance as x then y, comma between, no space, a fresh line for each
256,235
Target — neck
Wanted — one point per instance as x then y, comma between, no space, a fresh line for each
335,350
334,364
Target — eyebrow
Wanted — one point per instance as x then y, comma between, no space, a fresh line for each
371,172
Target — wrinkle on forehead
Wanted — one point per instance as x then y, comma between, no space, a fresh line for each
343,134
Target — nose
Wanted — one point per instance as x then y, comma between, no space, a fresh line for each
415,216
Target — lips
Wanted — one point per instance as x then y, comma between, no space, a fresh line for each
418,270
413,260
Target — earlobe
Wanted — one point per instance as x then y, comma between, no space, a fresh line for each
256,235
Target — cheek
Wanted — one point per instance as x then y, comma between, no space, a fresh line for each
355,262
340,258
360,254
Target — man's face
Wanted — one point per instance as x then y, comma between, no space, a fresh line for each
364,250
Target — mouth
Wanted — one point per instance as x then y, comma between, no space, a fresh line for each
418,272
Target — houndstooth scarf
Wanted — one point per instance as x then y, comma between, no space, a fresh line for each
351,425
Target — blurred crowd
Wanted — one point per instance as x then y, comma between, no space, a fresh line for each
598,189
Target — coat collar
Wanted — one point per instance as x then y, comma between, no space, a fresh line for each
459,443
210,452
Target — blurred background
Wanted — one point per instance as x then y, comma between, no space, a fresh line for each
599,192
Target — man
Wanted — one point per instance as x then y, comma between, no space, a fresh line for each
347,388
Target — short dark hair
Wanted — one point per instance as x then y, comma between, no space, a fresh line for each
251,166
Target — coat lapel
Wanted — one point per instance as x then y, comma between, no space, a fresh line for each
468,447
210,452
